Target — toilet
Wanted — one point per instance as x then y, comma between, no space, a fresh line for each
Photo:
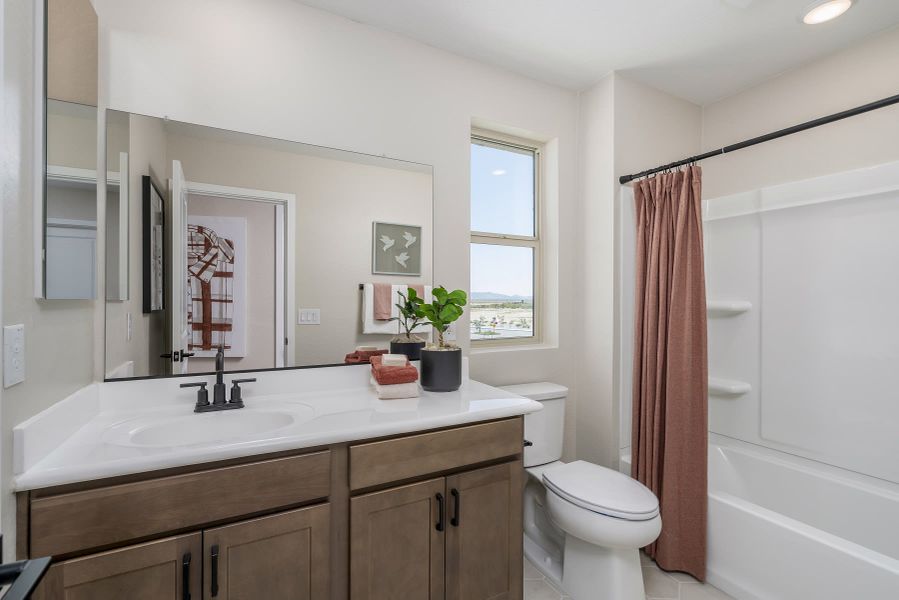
583,524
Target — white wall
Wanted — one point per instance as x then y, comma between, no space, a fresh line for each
625,127
281,69
861,74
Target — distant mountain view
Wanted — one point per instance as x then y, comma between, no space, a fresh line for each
494,297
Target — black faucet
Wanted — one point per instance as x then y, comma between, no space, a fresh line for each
218,390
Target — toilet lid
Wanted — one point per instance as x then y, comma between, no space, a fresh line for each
602,490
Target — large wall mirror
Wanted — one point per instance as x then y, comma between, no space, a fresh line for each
253,244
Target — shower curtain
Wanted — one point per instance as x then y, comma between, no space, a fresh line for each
670,394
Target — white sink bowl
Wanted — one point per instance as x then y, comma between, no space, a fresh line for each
204,428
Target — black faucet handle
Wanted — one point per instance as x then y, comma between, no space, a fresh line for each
202,393
236,391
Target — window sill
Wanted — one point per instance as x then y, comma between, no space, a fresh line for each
535,346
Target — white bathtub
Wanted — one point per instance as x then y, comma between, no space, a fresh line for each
787,528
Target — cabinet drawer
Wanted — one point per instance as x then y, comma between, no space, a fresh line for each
377,463
76,521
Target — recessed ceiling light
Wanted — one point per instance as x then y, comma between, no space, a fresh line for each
825,10
499,172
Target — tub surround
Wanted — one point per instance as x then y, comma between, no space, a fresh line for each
126,427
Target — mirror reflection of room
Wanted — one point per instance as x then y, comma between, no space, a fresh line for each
233,239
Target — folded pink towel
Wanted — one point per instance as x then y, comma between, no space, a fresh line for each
392,375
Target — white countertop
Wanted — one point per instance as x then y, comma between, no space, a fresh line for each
86,436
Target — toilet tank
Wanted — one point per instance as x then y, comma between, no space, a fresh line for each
544,429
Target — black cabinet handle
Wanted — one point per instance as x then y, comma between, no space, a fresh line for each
441,511
214,576
457,507
528,443
187,354
185,577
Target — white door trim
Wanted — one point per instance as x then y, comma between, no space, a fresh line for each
285,256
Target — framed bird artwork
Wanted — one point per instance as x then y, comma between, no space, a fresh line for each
396,249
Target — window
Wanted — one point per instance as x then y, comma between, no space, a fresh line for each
505,241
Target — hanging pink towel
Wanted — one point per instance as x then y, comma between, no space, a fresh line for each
382,306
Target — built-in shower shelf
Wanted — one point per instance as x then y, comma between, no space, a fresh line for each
727,308
728,387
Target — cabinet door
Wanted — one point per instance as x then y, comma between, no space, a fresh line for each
484,536
284,556
396,543
161,570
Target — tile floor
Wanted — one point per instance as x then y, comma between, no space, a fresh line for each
659,585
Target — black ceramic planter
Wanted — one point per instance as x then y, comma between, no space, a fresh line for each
412,350
441,370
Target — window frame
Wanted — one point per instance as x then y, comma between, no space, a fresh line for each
504,142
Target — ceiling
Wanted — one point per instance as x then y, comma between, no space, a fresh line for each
700,50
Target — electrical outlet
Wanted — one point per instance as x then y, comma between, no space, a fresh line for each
13,355
309,316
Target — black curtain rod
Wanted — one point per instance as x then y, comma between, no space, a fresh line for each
767,137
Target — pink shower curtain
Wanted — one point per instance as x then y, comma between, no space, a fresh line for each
670,421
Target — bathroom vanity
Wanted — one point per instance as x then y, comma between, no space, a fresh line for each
431,509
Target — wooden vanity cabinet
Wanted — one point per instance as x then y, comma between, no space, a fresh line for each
435,515
279,557
168,569
455,538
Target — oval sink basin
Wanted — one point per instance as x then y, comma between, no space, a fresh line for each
205,428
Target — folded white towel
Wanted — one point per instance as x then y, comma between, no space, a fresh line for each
396,391
394,360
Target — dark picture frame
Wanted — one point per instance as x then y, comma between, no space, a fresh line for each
153,229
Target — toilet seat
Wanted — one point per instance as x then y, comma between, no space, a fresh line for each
601,490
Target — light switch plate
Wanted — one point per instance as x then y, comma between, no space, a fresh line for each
309,316
13,355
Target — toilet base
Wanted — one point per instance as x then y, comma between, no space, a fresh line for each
589,568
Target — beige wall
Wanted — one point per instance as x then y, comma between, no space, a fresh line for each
59,334
861,74
260,257
72,53
336,200
147,156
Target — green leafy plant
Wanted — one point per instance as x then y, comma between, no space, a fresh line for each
410,315
445,308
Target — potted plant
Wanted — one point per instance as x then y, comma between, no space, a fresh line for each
410,318
441,363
